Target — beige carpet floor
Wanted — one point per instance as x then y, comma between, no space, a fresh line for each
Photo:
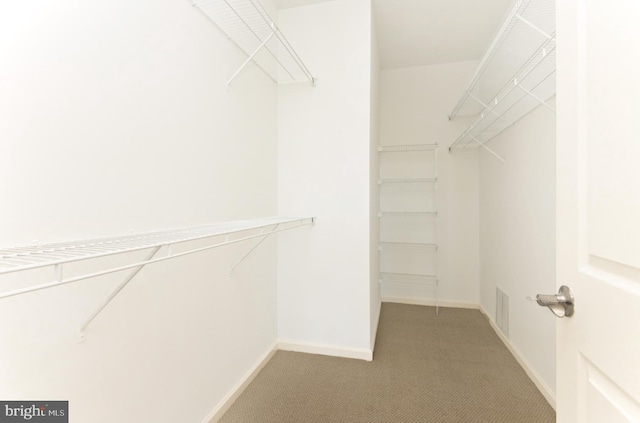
426,368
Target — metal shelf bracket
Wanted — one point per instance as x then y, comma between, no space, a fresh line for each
116,291
252,55
481,144
233,268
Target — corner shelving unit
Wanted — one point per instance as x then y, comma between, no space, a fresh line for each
248,25
516,75
408,252
157,244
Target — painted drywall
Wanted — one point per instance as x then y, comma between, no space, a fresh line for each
414,105
324,170
517,235
116,119
374,171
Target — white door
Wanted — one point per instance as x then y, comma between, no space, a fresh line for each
598,209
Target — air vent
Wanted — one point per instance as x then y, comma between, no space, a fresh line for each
502,311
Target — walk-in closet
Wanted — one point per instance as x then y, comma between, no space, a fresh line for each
303,207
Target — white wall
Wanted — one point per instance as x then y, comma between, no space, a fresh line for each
116,118
414,105
374,227
517,235
324,170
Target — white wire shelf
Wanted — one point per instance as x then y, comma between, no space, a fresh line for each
248,25
407,180
406,245
58,254
406,147
516,75
410,278
407,213
32,257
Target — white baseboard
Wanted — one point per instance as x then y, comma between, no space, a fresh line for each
533,375
374,335
334,351
429,302
239,388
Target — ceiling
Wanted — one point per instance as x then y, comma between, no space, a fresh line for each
425,32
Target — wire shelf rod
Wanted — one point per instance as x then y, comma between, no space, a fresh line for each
532,26
295,56
267,20
530,66
486,106
83,250
514,104
528,23
250,27
300,222
486,59
509,124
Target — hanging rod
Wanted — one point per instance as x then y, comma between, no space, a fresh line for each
250,27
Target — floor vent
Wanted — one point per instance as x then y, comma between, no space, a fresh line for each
502,311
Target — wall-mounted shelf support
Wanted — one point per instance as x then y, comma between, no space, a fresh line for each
233,268
481,144
534,27
116,291
250,58
533,96
486,107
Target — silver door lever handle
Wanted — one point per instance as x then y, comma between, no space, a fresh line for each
561,304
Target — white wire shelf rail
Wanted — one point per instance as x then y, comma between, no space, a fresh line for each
250,27
516,75
58,254
406,148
